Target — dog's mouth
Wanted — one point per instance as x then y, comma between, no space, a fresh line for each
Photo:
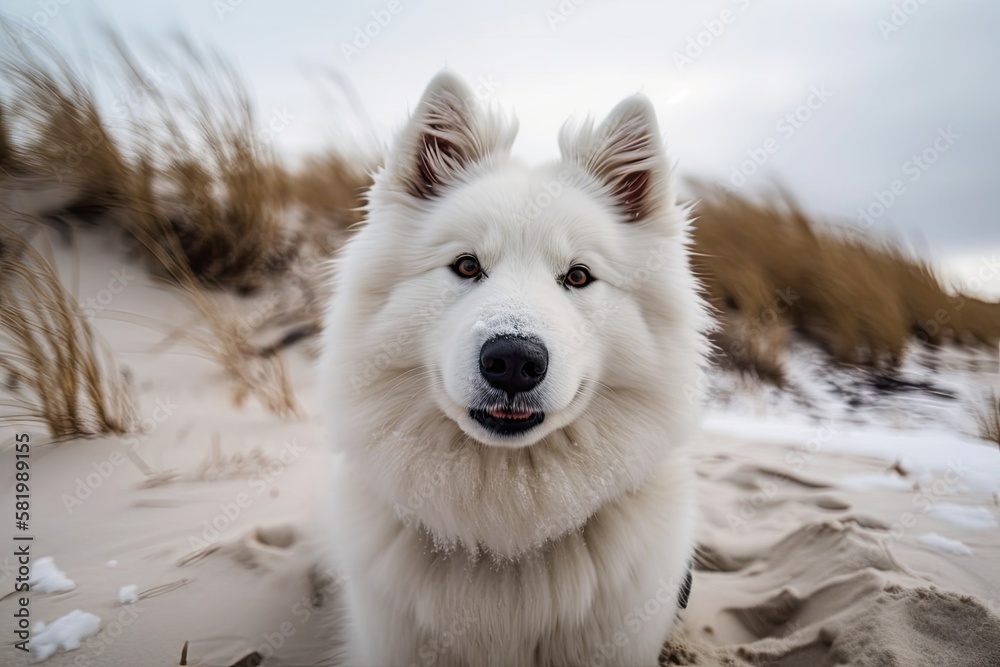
507,420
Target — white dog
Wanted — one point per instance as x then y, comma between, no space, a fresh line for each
511,364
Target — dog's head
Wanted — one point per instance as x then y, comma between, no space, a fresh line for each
501,325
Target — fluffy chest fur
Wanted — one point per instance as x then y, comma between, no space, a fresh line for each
603,594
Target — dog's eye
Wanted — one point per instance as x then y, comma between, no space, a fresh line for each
578,276
467,266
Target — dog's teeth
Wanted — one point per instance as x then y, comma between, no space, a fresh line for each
500,413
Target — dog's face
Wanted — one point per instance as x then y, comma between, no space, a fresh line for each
531,262
493,319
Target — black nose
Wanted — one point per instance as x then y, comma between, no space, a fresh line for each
512,363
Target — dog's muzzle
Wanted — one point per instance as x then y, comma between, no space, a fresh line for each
514,365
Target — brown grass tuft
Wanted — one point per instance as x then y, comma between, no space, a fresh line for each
57,372
226,339
988,419
767,268
193,179
57,131
63,139
220,185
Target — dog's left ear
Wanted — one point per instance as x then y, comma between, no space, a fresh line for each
626,156
447,135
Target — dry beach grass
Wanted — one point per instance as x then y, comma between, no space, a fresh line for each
767,268
188,179
57,371
988,419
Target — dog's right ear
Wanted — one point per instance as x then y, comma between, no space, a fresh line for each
447,135
625,155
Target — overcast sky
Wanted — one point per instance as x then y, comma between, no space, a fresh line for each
835,98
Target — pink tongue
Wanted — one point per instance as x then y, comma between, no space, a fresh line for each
508,414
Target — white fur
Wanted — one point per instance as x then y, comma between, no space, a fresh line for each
565,545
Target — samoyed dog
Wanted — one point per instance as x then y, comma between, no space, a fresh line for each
511,365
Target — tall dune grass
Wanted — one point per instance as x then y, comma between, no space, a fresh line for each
768,269
54,116
185,173
330,188
186,170
57,372
215,173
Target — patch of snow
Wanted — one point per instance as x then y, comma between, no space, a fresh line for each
939,388
128,594
66,632
45,577
923,453
944,544
964,516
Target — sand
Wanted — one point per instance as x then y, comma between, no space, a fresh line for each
824,540
797,569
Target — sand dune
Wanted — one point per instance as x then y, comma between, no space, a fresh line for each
816,573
